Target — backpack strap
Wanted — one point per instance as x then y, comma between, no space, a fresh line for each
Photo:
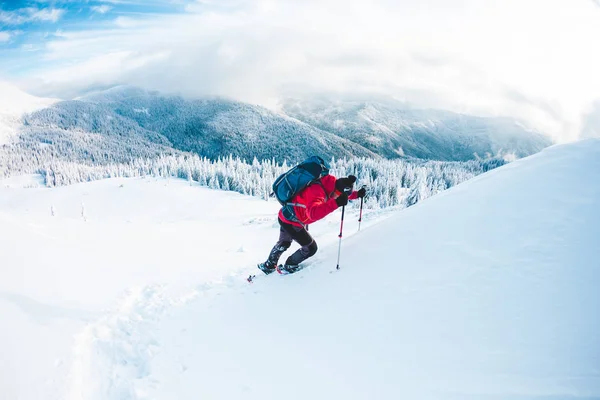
323,187
288,209
290,215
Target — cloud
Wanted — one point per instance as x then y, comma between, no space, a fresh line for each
127,22
52,15
591,122
30,14
455,55
102,9
8,36
30,47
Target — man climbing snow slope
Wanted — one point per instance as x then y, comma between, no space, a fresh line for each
321,197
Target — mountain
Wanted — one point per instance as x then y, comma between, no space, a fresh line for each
220,127
125,126
391,129
136,289
129,132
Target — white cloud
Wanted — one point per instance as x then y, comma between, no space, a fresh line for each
7,36
29,14
534,60
103,9
127,22
46,14
30,47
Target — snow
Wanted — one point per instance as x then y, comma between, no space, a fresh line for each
23,181
111,248
13,104
135,289
488,290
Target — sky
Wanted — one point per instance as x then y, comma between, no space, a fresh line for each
535,60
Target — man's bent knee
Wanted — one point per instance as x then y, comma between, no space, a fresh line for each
312,248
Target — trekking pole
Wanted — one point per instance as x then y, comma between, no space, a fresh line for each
361,208
360,216
340,235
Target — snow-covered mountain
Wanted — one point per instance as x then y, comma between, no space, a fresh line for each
13,104
136,290
148,121
209,127
391,129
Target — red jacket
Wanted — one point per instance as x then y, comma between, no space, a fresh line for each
319,203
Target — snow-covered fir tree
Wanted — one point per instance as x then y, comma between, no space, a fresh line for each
389,182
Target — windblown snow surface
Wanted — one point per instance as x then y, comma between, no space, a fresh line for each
135,289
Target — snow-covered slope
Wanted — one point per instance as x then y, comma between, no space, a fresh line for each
489,290
94,254
486,291
13,104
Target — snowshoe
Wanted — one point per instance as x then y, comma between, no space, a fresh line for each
288,269
266,268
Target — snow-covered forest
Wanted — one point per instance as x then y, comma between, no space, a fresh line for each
390,182
65,158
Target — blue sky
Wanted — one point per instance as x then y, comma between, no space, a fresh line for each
27,26
33,21
535,60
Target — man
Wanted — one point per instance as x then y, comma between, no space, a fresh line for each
312,204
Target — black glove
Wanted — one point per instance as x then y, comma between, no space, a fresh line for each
361,192
345,184
342,199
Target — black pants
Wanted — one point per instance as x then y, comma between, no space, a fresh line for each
287,233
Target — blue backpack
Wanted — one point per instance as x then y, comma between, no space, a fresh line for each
289,184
